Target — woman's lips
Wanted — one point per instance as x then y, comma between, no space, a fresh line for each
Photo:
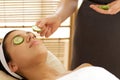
33,43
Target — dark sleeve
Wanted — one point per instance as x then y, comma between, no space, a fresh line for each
101,1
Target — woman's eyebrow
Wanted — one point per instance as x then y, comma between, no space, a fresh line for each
30,33
14,36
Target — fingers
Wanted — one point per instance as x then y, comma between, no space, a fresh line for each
113,9
41,23
43,31
97,9
49,32
46,31
48,25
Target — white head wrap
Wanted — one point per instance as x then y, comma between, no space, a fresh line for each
5,65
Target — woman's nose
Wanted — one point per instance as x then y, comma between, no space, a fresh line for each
29,38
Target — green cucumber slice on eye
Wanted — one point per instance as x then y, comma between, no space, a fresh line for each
36,29
18,40
105,7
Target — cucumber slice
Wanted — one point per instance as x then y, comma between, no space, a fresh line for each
105,7
36,29
18,40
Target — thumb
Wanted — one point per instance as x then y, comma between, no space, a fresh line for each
41,23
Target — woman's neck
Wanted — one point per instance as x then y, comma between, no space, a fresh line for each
40,72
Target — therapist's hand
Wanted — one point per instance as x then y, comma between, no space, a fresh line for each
48,25
114,8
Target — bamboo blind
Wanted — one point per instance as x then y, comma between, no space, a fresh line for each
25,13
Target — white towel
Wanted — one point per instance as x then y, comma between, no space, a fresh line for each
90,73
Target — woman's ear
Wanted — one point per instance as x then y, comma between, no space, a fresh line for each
13,66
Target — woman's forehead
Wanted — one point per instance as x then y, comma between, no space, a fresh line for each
16,33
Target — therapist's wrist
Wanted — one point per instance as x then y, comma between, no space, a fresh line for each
59,18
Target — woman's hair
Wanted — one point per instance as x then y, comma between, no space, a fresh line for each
7,56
6,53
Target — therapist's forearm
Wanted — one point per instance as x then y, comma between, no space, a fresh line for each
66,9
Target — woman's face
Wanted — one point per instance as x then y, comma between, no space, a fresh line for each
29,53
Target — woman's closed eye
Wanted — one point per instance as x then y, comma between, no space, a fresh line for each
18,39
